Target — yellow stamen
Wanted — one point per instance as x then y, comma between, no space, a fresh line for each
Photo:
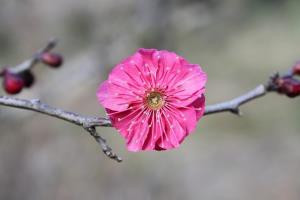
155,100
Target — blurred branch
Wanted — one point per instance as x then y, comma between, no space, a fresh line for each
35,59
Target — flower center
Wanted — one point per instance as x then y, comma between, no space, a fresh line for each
155,100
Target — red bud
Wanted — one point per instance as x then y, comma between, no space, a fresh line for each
52,59
12,83
289,87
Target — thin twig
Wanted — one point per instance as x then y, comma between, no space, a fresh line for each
105,148
233,105
35,59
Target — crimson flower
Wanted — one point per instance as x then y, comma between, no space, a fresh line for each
154,99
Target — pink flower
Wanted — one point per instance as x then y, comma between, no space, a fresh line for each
154,98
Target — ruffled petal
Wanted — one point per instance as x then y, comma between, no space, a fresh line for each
134,126
188,88
199,106
109,99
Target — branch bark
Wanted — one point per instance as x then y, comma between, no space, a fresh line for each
234,104
90,123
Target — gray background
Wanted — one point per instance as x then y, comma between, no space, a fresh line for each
239,43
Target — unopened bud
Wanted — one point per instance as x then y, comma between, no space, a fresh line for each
289,87
12,83
52,59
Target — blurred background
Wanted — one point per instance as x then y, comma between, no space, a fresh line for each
239,43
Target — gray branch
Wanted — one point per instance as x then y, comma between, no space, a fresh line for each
234,104
90,123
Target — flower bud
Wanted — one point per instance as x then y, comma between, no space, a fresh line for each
289,86
12,83
52,59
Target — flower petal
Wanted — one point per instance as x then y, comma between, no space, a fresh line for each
190,87
199,105
110,100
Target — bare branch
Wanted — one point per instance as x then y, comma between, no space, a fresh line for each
105,148
37,106
89,123
234,104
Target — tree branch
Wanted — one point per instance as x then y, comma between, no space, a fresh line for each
90,123
285,84
233,105
86,122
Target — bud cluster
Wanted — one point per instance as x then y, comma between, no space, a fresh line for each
14,82
288,85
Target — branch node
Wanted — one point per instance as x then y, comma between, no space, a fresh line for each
35,101
236,111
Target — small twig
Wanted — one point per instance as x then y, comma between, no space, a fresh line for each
105,148
234,104
35,59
